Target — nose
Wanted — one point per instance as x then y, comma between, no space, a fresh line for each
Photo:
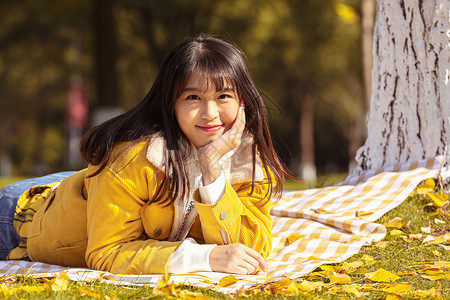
210,111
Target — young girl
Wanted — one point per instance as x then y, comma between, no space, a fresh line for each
181,183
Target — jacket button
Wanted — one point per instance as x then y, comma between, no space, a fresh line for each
223,215
157,232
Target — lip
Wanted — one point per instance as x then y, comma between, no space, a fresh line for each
210,128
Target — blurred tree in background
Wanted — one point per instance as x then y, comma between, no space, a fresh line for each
305,56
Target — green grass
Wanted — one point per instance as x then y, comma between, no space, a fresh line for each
398,256
4,181
322,181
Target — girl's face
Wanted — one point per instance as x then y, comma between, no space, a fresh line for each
203,113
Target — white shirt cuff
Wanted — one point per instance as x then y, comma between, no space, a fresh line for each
190,257
212,192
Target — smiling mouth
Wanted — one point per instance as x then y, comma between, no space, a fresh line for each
210,128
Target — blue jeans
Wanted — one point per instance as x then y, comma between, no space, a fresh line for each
8,201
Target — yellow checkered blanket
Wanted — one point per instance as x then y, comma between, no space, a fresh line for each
311,227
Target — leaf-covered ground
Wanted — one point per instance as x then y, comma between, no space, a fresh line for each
412,262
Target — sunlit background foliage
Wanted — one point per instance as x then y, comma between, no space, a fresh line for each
296,50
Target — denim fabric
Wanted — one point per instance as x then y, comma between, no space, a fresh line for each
8,200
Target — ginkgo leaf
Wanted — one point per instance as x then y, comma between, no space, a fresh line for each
428,293
396,232
426,229
351,290
32,289
395,223
439,221
438,199
352,265
437,277
91,293
426,186
293,237
382,244
337,278
440,239
361,213
306,286
447,248
227,281
381,275
441,264
398,288
320,211
392,297
367,258
415,236
60,283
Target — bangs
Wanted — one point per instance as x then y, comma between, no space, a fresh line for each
219,77
213,72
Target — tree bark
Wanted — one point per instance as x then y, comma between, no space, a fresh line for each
409,115
367,23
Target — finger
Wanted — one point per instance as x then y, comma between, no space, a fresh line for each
250,269
255,255
238,125
254,263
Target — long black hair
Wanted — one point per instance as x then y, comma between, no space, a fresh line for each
222,63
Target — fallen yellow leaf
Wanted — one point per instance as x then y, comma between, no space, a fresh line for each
396,232
398,288
367,258
441,264
437,277
337,278
439,221
395,223
320,211
32,289
426,186
60,283
447,248
294,237
227,281
352,265
381,275
438,199
428,293
426,229
91,293
351,290
361,213
392,297
440,239
415,236
382,244
306,286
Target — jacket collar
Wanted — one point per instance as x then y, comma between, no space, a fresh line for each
236,164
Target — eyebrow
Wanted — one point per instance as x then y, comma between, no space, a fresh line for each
193,89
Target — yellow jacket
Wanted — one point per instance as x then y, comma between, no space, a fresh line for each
106,222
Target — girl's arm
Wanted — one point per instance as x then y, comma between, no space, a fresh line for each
116,239
240,224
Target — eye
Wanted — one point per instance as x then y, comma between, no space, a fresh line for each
193,97
225,96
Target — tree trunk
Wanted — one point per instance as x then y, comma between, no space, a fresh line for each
367,23
307,158
105,41
409,116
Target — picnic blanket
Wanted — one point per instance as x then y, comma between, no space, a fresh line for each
310,227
